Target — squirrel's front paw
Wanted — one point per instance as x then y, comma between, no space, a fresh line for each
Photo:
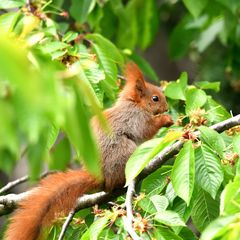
167,121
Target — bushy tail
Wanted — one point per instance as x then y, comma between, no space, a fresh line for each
55,196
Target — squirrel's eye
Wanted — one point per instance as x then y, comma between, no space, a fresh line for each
155,98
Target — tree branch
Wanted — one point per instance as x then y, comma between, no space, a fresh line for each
23,179
100,197
66,224
129,219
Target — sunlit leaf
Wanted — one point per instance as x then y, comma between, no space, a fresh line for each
174,91
8,21
236,144
230,198
5,4
216,112
155,182
213,139
169,218
69,36
218,227
195,98
183,172
209,173
159,202
209,85
107,47
53,46
96,228
78,130
145,152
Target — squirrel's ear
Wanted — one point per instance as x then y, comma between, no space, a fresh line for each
135,78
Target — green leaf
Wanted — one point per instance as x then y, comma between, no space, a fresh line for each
184,211
205,209
169,218
186,233
148,21
79,10
92,71
209,173
147,205
209,35
155,182
236,144
6,4
232,5
209,85
145,152
78,130
69,36
53,46
230,198
195,98
8,160
183,80
60,155
159,202
52,136
140,158
181,38
195,7
8,21
170,193
215,112
183,172
218,227
8,138
164,233
213,139
174,90
107,47
96,228
127,16
37,153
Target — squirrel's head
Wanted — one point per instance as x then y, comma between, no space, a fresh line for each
144,94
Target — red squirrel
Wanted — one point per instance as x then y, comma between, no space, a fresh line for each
136,117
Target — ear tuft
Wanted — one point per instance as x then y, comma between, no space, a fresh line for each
135,78
132,72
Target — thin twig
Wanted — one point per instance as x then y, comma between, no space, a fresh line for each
129,219
157,162
66,224
23,179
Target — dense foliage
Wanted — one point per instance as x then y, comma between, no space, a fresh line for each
59,67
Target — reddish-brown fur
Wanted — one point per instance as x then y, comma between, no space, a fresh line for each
37,209
134,119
